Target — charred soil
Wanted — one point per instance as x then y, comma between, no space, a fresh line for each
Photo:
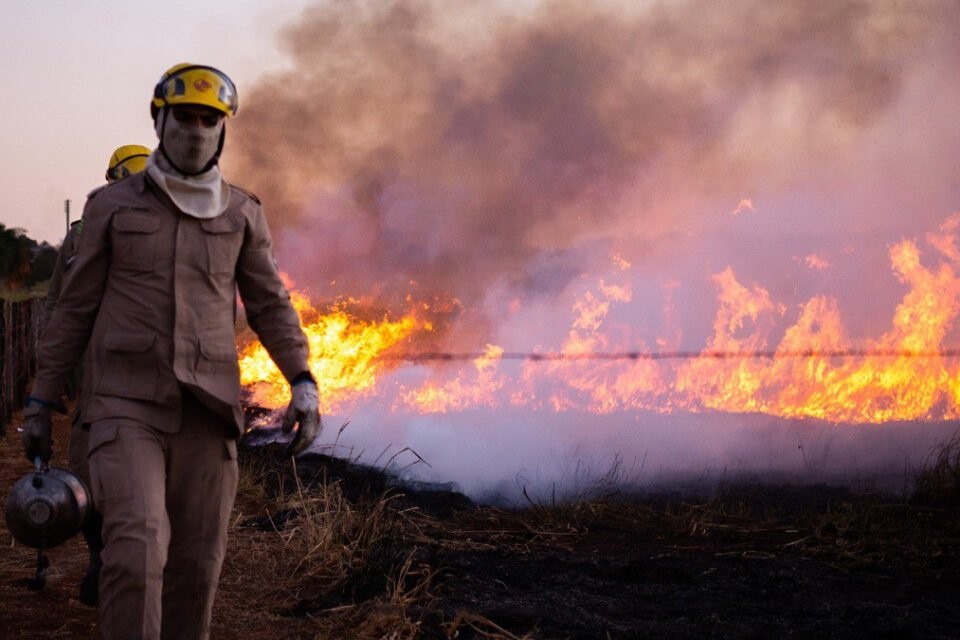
328,549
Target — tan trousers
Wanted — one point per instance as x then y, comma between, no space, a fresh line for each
77,451
166,502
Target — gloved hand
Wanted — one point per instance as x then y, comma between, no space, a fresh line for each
304,409
37,429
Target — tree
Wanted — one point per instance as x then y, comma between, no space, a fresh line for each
41,267
9,252
17,254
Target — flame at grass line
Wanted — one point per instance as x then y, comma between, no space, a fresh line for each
899,382
895,384
898,376
344,352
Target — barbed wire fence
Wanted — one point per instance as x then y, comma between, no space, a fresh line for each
19,328
534,356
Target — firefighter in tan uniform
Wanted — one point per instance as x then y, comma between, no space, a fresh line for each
124,161
152,292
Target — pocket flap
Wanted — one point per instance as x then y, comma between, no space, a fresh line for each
136,222
100,434
132,342
218,351
222,224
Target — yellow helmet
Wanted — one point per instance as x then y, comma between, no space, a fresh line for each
195,84
128,159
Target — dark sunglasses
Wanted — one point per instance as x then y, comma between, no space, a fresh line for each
203,118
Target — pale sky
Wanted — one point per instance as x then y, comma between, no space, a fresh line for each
76,82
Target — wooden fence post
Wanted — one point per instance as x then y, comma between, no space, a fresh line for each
19,328
4,349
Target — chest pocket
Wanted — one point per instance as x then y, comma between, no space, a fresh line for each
134,239
223,237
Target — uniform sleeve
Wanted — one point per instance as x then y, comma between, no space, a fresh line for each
53,289
266,301
75,307
64,260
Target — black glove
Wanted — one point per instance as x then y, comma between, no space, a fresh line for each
37,429
304,409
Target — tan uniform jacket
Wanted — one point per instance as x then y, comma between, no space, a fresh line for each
153,292
65,257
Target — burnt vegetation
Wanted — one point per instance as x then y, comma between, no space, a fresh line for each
326,548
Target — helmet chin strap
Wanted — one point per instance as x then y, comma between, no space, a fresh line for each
213,160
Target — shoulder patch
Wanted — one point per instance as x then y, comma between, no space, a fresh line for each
77,227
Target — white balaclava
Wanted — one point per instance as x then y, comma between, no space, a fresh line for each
178,166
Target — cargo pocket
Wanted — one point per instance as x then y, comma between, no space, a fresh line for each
102,457
218,370
216,354
101,433
129,366
134,240
223,237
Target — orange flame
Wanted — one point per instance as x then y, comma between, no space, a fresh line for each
815,371
457,394
344,352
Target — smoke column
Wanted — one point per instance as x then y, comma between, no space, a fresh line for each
495,154
460,145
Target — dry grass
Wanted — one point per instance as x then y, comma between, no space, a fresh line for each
19,294
482,628
360,567
939,483
339,565
320,550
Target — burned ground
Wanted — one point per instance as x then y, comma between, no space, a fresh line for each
329,549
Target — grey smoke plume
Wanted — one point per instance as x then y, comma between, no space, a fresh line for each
497,151
463,146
